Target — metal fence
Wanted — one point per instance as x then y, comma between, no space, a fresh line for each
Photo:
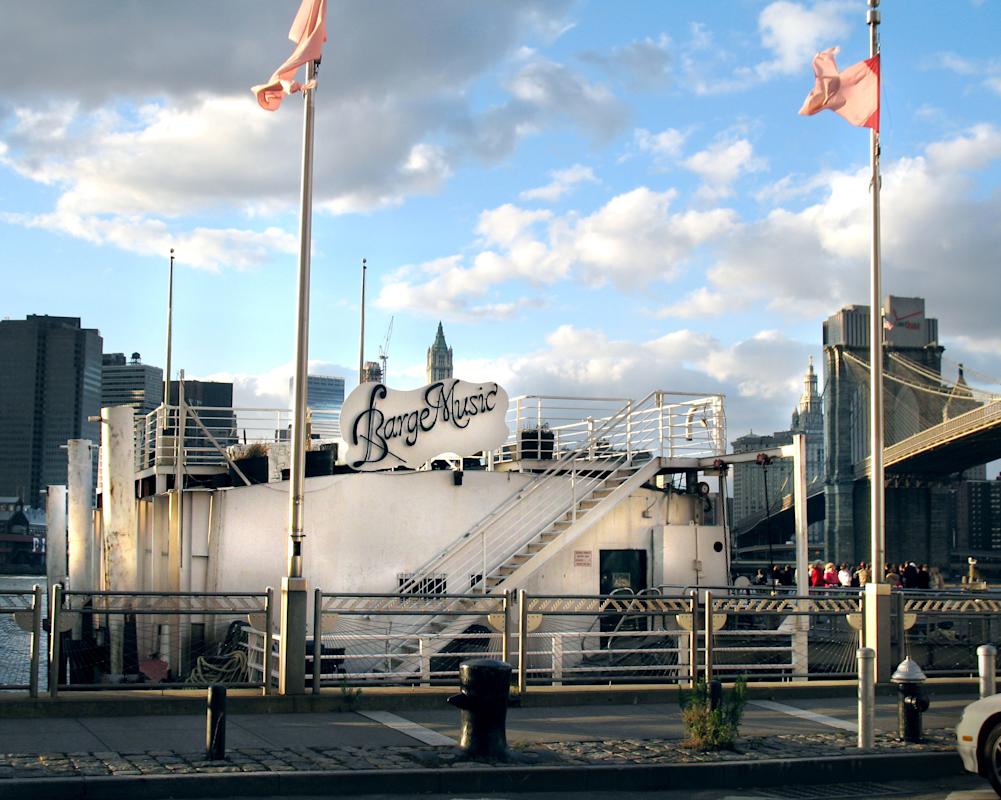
942,629
136,640
404,638
665,635
23,639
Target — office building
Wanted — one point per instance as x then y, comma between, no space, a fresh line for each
50,385
130,383
323,392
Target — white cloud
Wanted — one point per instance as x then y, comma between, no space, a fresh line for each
721,164
634,239
663,146
394,116
794,33
586,362
563,181
935,226
643,64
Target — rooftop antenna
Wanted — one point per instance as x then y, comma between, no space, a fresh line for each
361,334
384,351
170,317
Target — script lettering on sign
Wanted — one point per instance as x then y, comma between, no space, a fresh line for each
385,428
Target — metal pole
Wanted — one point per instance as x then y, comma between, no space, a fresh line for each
522,643
693,639
877,542
269,605
297,467
170,325
317,639
361,332
36,637
987,656
709,636
55,601
866,697
506,635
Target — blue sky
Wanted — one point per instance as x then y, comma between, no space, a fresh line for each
596,198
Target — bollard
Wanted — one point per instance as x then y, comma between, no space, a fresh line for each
215,723
484,686
987,656
911,700
866,697
715,694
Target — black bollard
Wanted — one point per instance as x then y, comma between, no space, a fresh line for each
215,723
715,694
484,685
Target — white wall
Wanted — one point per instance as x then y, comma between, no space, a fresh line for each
362,530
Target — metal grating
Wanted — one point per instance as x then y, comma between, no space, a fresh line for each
829,791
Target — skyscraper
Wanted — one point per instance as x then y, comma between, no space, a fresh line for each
50,384
439,366
130,383
323,392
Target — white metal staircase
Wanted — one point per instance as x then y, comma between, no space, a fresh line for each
585,481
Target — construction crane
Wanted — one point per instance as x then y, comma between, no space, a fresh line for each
384,350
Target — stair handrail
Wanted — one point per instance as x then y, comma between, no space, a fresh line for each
650,430
516,497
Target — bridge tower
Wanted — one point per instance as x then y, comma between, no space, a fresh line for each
917,516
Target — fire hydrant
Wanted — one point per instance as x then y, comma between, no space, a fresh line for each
911,699
484,687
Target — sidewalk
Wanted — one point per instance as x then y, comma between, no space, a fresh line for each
116,744
596,765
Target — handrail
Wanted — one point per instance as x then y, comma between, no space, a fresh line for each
518,497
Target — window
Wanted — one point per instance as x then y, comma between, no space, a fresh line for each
435,583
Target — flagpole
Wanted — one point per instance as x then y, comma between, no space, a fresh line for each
292,631
876,476
361,334
297,467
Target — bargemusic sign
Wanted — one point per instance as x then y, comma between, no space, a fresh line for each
386,428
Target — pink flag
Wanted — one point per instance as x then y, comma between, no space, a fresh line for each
854,93
309,32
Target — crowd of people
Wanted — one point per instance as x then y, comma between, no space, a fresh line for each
907,575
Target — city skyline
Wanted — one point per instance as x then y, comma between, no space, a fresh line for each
593,202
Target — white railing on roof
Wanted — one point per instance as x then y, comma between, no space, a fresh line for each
207,431
540,427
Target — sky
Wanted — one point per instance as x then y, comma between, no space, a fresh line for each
595,198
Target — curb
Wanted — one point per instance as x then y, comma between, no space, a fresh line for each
479,778
154,703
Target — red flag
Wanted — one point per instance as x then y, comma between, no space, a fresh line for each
309,32
853,93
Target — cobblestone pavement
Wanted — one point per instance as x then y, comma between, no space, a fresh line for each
618,752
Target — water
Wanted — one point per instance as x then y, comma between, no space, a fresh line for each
15,644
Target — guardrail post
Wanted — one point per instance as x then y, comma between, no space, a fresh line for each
506,632
629,430
987,656
573,494
709,636
557,659
660,423
317,639
269,611
693,638
866,697
876,616
899,632
522,641
423,654
54,656
36,638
